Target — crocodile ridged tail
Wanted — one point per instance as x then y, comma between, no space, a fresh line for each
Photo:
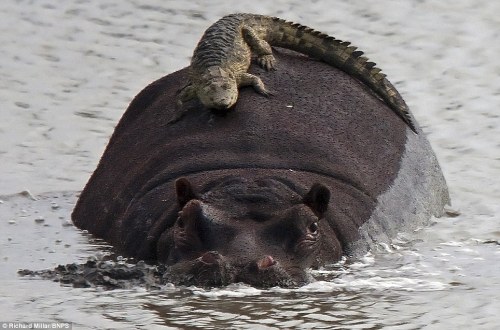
340,54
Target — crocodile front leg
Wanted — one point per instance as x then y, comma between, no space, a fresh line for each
259,47
247,79
186,93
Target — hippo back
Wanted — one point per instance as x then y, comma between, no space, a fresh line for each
320,125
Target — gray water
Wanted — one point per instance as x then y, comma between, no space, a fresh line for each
68,71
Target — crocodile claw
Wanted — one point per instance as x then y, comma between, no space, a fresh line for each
268,62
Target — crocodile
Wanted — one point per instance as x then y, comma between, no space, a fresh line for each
220,61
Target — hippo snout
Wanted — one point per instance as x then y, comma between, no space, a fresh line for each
209,269
265,262
211,257
214,269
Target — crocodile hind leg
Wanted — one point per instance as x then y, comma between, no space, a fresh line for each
260,47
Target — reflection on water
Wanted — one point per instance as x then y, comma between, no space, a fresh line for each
69,70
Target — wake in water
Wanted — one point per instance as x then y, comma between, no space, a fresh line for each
108,274
388,267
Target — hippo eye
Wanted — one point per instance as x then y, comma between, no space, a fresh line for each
313,228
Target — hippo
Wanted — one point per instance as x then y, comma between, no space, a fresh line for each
276,186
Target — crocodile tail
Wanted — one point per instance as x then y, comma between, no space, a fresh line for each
342,55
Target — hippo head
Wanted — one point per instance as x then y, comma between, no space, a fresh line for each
258,232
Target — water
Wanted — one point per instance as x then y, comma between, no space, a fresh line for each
69,70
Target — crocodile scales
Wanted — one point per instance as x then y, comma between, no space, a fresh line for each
221,60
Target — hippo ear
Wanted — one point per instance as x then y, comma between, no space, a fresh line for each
184,191
317,199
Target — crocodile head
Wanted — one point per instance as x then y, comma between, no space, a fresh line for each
220,90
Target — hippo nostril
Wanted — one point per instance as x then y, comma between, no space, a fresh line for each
210,257
266,262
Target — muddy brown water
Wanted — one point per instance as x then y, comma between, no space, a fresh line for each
69,69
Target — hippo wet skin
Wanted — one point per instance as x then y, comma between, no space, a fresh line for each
278,185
